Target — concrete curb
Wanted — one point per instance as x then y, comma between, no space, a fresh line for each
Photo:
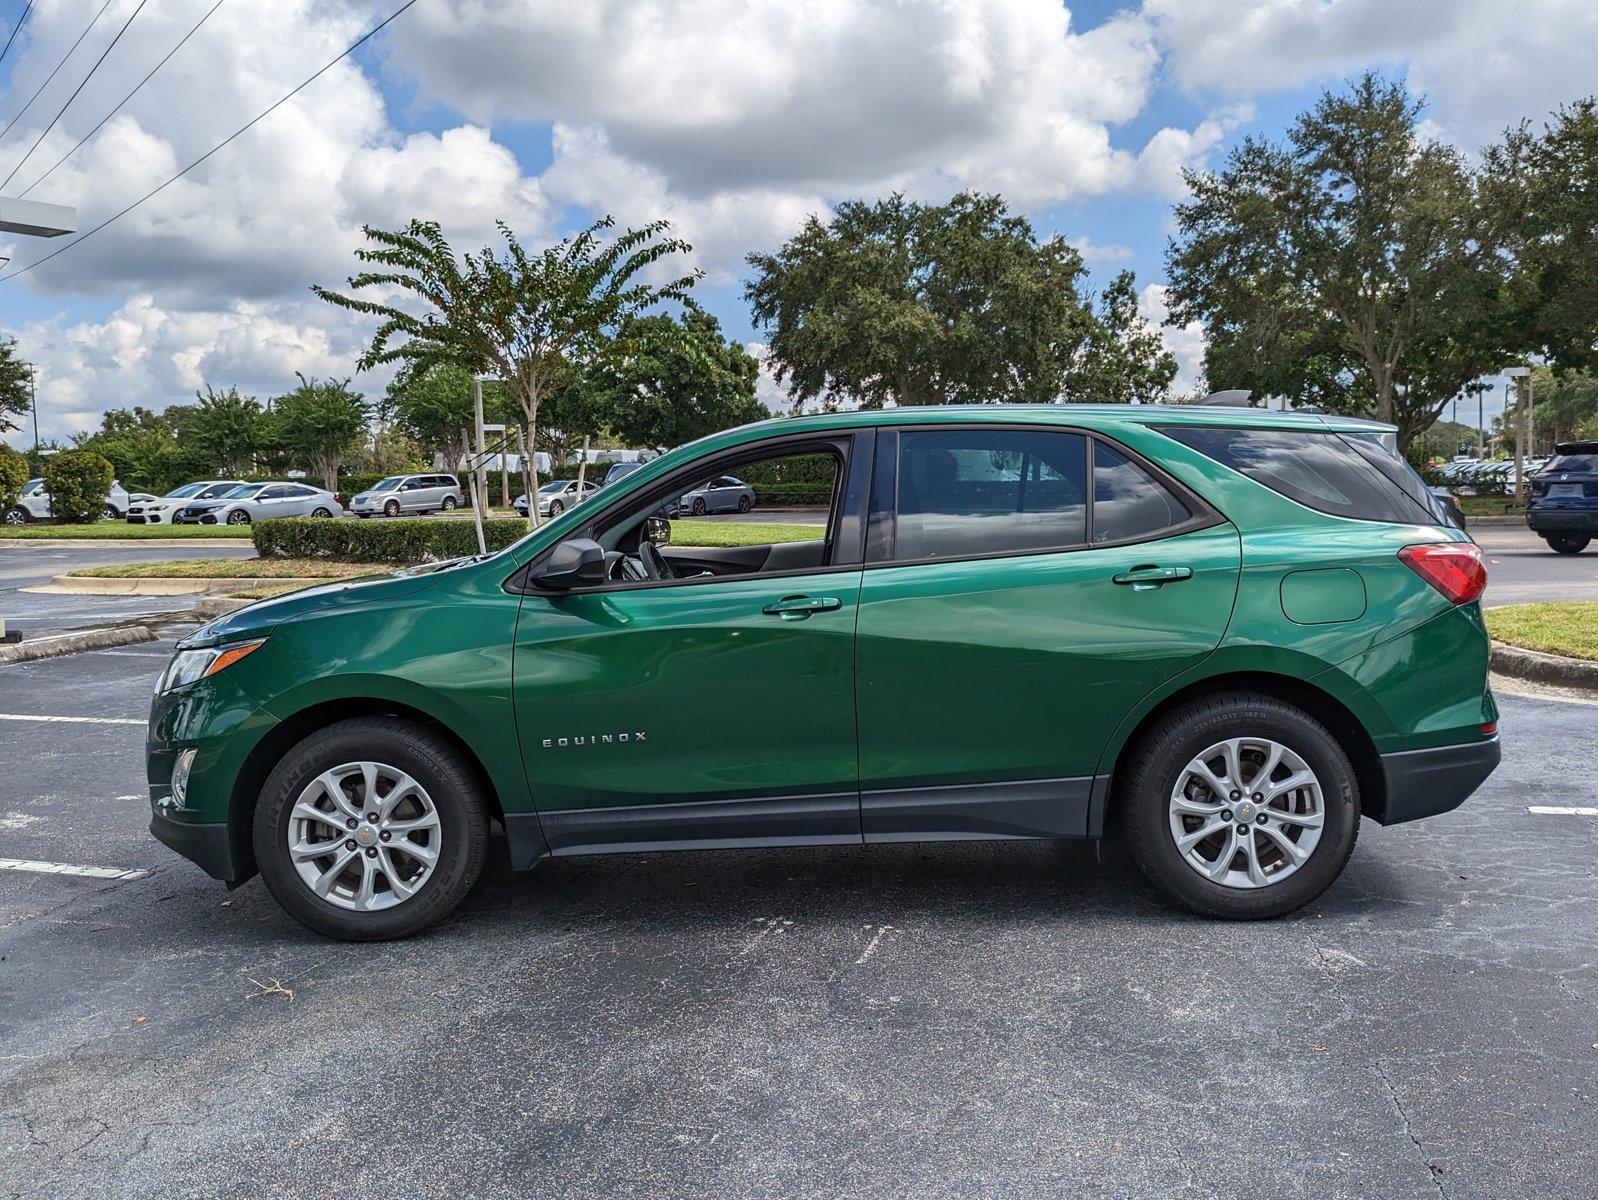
1505,521
74,642
1538,667
118,543
98,585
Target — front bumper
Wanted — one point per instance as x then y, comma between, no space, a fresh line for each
1563,520
1424,783
208,845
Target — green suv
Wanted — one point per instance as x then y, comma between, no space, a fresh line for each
1226,633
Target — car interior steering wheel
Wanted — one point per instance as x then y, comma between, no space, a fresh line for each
654,562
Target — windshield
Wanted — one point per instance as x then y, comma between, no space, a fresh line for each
1586,464
389,484
188,489
558,486
241,493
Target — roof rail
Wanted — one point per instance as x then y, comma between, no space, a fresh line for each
1232,398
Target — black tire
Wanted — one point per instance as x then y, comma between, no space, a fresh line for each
431,761
555,509
238,517
699,506
745,504
321,512
449,504
391,509
18,516
110,514
1567,543
1151,771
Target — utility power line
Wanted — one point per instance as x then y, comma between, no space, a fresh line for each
246,127
195,28
16,29
58,66
81,84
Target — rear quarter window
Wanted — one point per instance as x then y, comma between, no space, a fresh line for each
1578,464
1319,469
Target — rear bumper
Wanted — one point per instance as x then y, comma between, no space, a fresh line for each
1424,783
207,845
1563,520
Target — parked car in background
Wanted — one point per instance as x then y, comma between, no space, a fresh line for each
160,510
725,493
33,503
1450,505
409,494
1226,635
619,471
556,496
252,502
1564,498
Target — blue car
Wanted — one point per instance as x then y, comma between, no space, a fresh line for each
1564,498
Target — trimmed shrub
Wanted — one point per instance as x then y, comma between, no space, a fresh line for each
77,481
792,493
13,474
400,542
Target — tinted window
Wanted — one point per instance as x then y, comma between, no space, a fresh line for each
1127,501
982,492
1585,464
275,493
1320,470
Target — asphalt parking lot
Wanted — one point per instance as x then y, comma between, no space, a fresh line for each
952,1020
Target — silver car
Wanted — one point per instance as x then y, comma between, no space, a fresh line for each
409,494
252,502
33,503
556,496
721,494
163,510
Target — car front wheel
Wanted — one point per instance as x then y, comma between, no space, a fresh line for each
1567,543
238,517
370,829
1240,806
110,514
555,509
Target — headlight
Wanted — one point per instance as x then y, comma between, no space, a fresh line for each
187,666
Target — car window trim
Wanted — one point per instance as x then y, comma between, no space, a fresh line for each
843,549
884,525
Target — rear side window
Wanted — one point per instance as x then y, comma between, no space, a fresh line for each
1320,470
1128,502
1580,464
979,492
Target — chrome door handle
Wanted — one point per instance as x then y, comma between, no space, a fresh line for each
797,608
1143,578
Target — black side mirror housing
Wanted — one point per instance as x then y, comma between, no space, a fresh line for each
657,530
576,562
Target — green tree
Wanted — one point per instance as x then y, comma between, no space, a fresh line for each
520,316
13,474
433,405
919,304
1563,402
77,481
16,393
684,380
225,429
1543,191
318,424
1353,267
1124,358
139,444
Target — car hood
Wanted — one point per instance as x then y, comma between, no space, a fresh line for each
263,616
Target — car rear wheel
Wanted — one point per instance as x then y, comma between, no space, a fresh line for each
370,829
238,517
745,504
110,514
18,516
449,503
699,506
320,512
1567,543
1240,806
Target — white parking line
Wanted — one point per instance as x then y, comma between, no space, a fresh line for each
50,868
75,720
1555,810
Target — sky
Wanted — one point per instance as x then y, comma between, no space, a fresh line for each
733,120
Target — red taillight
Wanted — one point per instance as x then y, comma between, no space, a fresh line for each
1454,568
1489,728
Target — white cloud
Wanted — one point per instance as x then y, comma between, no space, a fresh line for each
1185,342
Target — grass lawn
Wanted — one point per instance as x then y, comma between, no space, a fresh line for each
120,529
265,591
231,568
734,533
1491,506
1569,628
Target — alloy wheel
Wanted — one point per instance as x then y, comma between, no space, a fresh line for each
1246,812
364,836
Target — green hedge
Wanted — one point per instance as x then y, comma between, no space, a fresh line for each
77,481
403,542
792,493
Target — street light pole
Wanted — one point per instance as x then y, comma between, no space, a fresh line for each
481,471
1521,375
33,399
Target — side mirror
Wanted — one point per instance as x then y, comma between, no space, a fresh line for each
577,562
657,530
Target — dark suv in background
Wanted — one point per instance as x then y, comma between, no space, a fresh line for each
1564,498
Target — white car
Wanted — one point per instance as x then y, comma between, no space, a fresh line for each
33,503
160,510
556,496
251,502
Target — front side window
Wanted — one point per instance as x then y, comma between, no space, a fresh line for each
1128,503
976,492
389,484
246,492
1320,470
